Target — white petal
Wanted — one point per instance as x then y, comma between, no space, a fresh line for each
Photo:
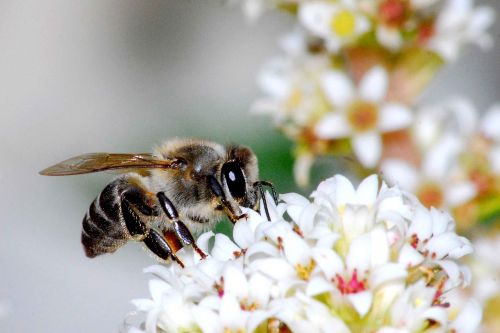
204,240
409,257
235,282
338,88
373,86
275,268
380,250
464,249
388,273
259,288
394,117
368,148
315,17
482,18
421,224
318,285
358,256
294,199
367,191
459,193
207,320
230,313
494,157
389,37
328,261
469,319
296,249
157,288
437,314
333,126
257,317
302,168
361,301
440,246
401,173
224,249
490,124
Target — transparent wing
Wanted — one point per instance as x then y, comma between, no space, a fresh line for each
95,162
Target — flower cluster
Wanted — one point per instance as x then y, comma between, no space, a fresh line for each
456,161
366,259
352,69
441,26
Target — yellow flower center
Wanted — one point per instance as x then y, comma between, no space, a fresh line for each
304,272
431,195
343,24
363,116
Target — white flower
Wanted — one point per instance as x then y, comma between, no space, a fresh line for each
490,128
362,114
339,22
459,23
340,262
455,115
291,85
440,181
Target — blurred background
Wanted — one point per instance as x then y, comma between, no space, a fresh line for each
121,76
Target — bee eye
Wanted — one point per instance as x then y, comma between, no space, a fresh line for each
235,179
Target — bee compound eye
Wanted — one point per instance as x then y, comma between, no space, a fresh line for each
235,179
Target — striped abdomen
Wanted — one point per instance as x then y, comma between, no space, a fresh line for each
103,230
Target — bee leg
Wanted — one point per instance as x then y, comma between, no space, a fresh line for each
260,186
159,246
219,193
181,231
154,241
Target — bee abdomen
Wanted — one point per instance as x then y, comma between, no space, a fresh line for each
102,230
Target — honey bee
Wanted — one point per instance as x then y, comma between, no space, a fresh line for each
185,184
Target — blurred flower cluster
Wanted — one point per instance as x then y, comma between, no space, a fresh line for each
365,259
347,84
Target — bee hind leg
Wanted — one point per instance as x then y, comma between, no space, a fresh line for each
154,241
159,246
181,231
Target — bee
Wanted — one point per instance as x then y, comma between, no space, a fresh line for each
184,185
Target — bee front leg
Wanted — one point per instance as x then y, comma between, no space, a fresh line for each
181,231
233,212
134,199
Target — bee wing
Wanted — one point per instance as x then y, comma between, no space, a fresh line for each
95,162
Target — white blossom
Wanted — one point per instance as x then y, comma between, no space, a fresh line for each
361,114
369,253
338,23
458,23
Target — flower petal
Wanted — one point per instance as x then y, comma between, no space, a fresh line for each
394,117
368,148
338,88
373,86
333,126
361,301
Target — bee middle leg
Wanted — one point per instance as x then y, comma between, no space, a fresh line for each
181,231
134,200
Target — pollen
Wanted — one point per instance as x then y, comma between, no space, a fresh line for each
418,302
304,272
351,286
363,116
343,24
